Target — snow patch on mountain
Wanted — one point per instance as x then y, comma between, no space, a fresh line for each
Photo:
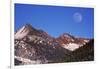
21,33
71,46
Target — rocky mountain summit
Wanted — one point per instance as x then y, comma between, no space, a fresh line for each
35,46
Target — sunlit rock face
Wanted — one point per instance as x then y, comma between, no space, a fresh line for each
24,31
35,46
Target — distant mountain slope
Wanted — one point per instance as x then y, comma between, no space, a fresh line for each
84,53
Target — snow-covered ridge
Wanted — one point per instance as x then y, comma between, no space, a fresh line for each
21,33
71,46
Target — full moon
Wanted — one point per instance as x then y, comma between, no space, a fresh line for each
77,17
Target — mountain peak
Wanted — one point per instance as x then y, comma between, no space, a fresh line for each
66,35
28,26
23,31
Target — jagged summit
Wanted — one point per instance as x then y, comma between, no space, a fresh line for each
28,26
70,42
65,38
23,31
66,35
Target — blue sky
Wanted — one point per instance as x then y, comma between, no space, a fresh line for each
56,20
